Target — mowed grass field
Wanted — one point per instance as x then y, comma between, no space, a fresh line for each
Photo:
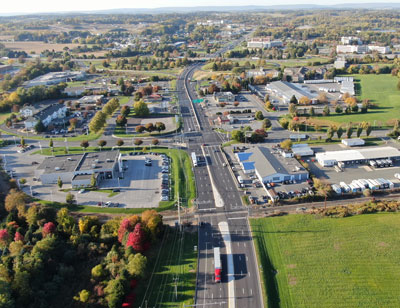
378,89
174,260
308,261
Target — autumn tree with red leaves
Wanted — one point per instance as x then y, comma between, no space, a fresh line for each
136,239
48,228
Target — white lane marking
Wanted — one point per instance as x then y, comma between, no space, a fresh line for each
232,218
224,229
243,290
205,276
251,291
240,258
244,244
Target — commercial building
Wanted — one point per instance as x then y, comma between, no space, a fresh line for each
263,42
285,90
271,167
302,149
350,40
353,142
362,49
360,156
56,78
224,97
77,169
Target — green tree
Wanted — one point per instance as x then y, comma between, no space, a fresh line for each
293,100
338,109
39,127
120,142
326,111
286,144
23,143
349,131
66,222
59,183
115,292
70,199
125,110
84,296
312,112
93,180
137,265
160,126
323,189
141,109
259,115
138,141
266,124
339,132
101,144
237,135
121,120
359,131
292,109
84,144
98,271
51,143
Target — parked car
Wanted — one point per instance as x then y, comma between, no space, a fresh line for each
35,163
81,191
164,198
164,171
116,190
148,164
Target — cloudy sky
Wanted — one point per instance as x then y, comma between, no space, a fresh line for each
34,6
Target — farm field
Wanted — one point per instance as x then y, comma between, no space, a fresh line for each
175,258
37,47
329,262
378,89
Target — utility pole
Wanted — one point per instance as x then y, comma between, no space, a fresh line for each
176,287
179,213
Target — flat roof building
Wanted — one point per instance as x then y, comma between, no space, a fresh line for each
286,90
78,169
360,156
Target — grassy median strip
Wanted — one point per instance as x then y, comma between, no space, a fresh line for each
308,261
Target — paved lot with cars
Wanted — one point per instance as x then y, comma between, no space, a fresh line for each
139,185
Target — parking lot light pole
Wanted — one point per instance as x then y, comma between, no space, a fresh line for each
40,146
30,186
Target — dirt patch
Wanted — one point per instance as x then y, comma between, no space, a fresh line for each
383,244
292,280
337,246
291,266
37,47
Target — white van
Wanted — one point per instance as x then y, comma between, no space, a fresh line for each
240,179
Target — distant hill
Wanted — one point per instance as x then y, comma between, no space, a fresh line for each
247,8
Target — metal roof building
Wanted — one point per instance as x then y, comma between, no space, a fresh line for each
286,90
331,158
272,167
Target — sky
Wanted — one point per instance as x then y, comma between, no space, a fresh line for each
35,6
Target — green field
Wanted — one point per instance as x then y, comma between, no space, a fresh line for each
174,258
181,173
308,261
378,89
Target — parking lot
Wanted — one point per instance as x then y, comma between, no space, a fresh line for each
139,185
354,172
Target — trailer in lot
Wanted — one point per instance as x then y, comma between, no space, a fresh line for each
217,265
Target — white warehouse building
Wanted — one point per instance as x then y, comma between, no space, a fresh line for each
360,156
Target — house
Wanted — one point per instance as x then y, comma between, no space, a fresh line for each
296,74
49,114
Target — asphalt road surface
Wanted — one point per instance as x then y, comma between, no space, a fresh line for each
228,227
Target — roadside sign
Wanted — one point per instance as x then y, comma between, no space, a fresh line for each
196,101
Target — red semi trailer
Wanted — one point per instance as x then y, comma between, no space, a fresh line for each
217,265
